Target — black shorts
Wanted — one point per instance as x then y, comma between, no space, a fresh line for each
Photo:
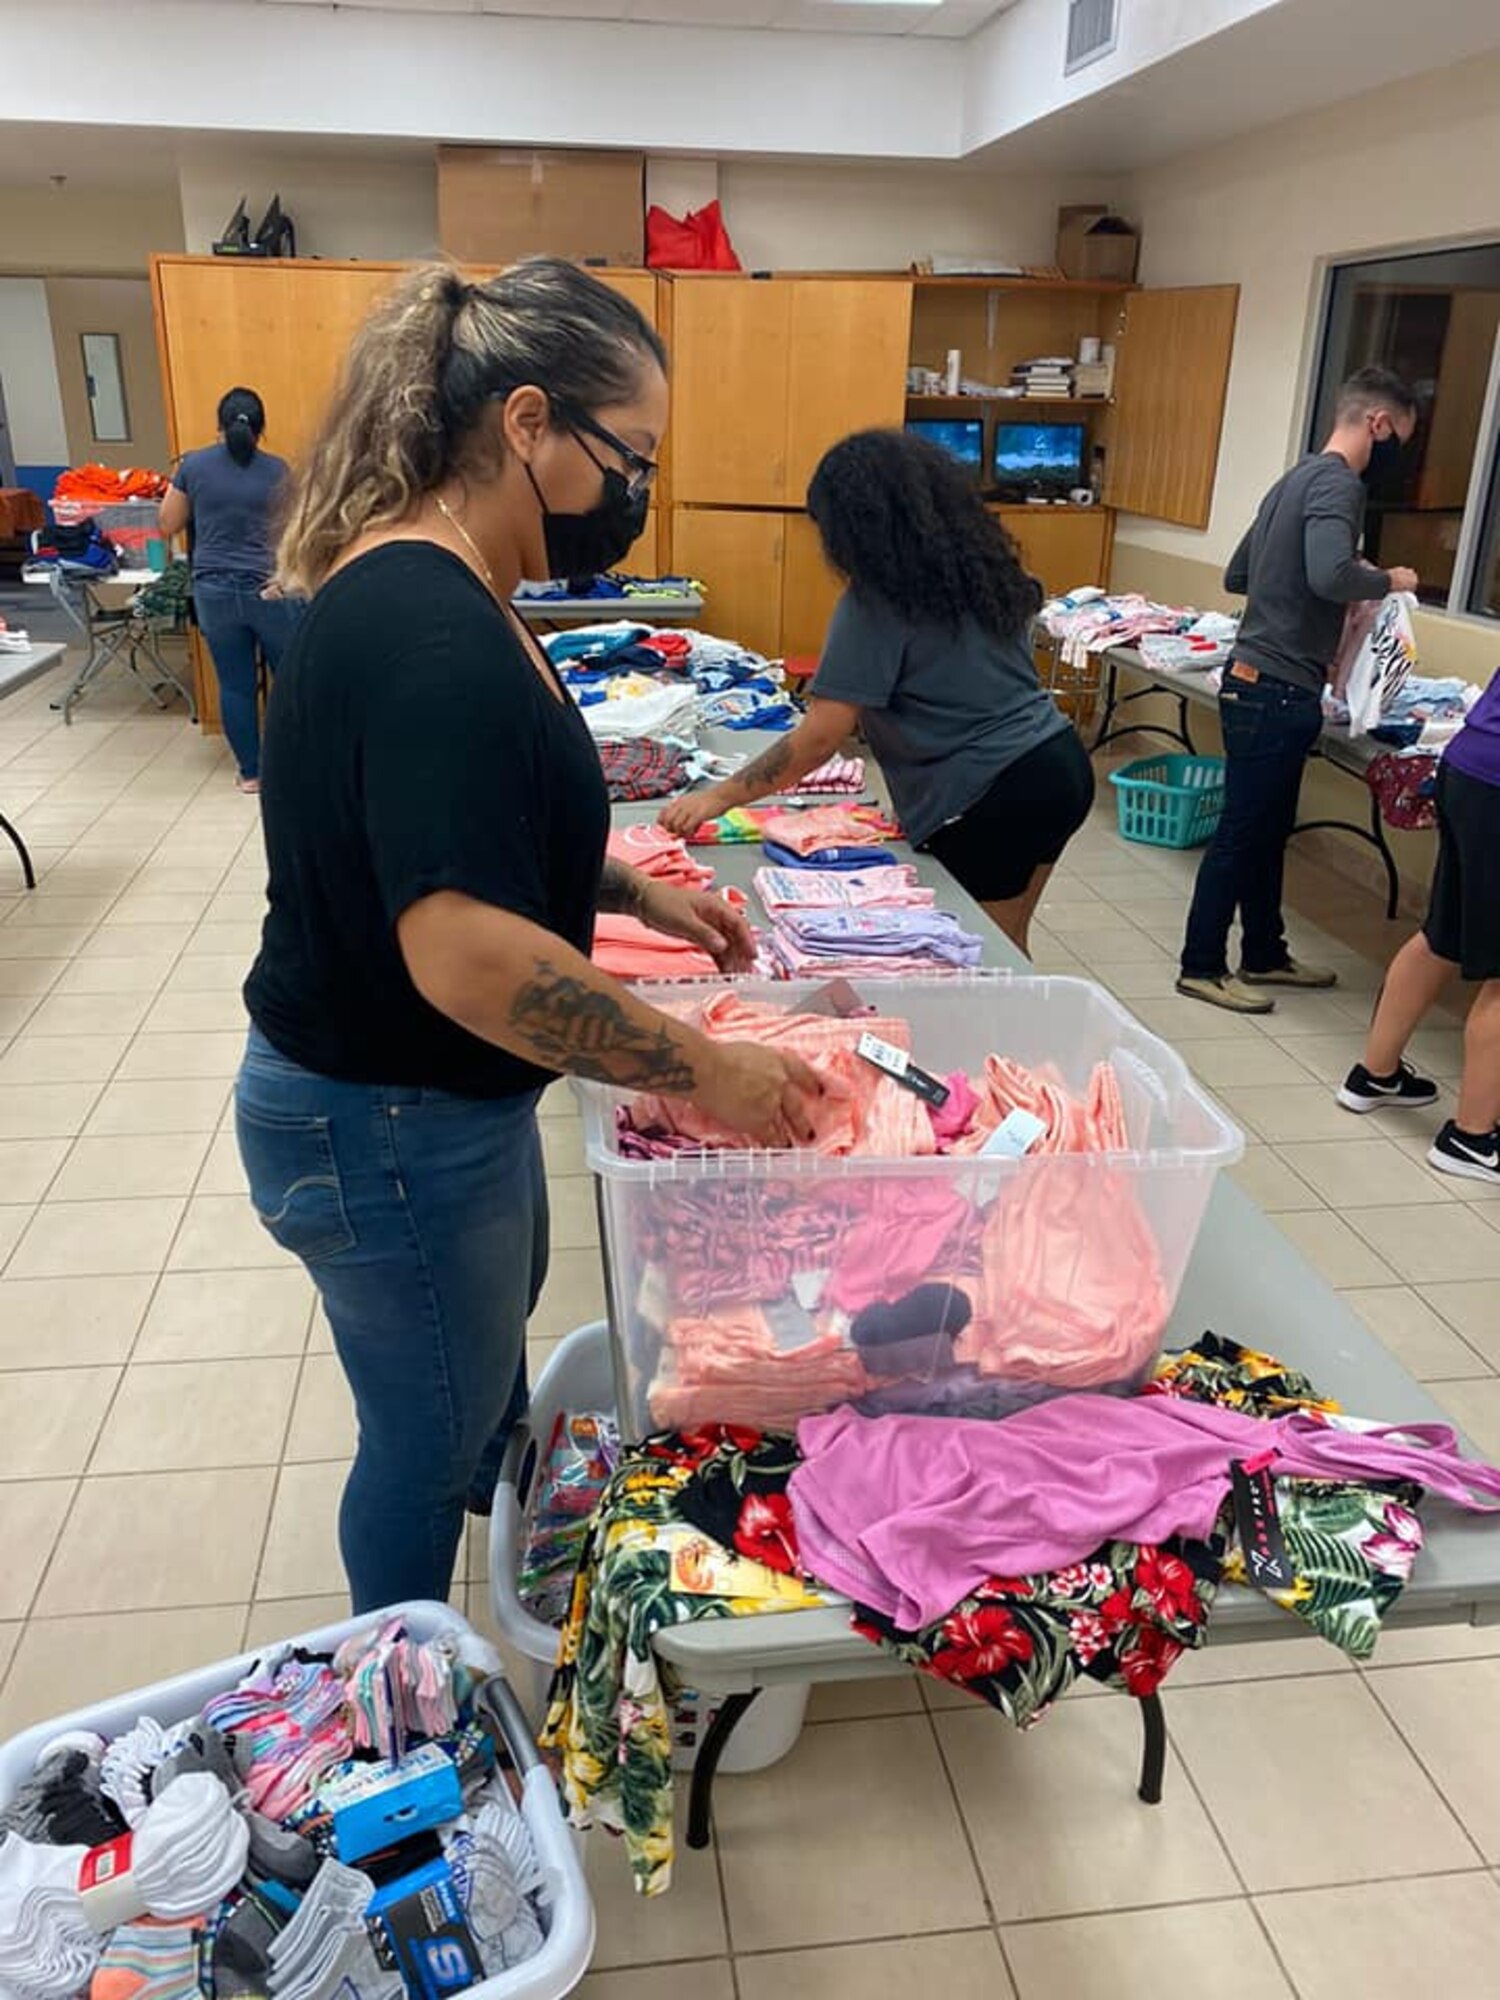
1022,823
1463,913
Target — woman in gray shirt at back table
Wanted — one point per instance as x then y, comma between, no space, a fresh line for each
929,648
228,493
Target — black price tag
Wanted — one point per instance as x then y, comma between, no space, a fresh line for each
898,1065
1267,1565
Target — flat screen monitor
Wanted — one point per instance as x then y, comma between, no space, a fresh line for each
1045,460
963,439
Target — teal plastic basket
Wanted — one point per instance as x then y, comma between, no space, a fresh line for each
1170,801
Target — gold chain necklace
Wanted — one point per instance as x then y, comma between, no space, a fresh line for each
473,547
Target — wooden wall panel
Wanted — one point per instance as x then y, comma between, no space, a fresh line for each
1170,384
730,385
849,346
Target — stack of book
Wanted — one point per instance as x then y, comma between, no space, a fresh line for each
1092,378
1047,379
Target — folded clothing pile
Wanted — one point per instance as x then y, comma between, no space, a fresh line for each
885,939
316,1832
1090,621
661,855
894,886
839,775
608,588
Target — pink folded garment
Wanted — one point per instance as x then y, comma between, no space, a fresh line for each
659,854
624,947
838,774
1094,1123
828,826
729,1367
894,887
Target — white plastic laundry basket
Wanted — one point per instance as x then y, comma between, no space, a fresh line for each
563,1959
580,1376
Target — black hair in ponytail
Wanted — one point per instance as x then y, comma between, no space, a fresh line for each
242,418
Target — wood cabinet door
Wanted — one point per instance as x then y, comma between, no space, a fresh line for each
637,286
809,590
740,557
1061,549
850,340
1171,379
730,371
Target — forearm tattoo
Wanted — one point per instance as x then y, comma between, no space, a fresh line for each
762,773
571,1026
622,892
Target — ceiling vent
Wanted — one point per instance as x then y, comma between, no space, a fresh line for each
1093,30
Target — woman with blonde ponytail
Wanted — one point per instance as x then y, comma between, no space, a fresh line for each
435,820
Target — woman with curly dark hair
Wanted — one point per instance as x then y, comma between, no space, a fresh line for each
929,649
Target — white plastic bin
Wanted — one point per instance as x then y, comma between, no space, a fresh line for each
564,1957
1034,1245
579,1376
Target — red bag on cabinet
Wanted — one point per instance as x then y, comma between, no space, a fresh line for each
699,242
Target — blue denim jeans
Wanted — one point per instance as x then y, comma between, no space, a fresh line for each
234,619
422,1218
1269,728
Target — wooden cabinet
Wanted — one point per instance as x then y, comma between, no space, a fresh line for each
741,557
809,589
1170,383
767,373
1062,547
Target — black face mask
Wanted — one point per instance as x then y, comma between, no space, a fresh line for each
585,545
1385,457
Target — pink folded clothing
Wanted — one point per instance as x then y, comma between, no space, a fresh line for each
625,948
732,1366
1094,1123
819,827
659,854
891,888
838,775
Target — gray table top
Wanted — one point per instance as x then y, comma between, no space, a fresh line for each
673,609
17,670
1244,1280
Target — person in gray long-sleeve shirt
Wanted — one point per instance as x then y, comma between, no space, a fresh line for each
1299,566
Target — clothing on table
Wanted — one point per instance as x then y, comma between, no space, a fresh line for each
879,939
1463,912
641,768
422,1220
835,774
107,485
236,623
629,949
652,851
1475,751
945,711
823,860
1270,727
808,830
1298,566
884,1517
741,826
232,508
781,889
607,1715
653,710
1022,823
413,746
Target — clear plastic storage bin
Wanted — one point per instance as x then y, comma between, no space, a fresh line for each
757,1287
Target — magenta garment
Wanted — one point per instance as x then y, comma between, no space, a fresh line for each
911,1514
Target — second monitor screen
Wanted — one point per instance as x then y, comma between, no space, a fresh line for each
1041,460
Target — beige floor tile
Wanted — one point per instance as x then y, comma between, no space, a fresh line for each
1475,1407
14,1217
1292,1112
31,1518
122,978
42,940
961,1965
69,1322
49,1418
1126,947
194,1105
562,1146
45,1110
1409,1328
169,1058
223,1170
1340,1256
197,1013
302,1556
223,972
323,1424
161,906
688,1922
158,1541
1350,1174
29,977
84,1238
1307,1829
9,1637
68,1663
1447,1714
1424,1245
195,1415
1256,1660
221,1232
1328,1056
859,1701
575,1224
701,1979
1089,920
853,1836
1132,1956
1436,1934
46,905
572,1296
162,1163
1055,1820
1245,1061
204,1316
1271,1184
1471,1306
211,940
69,1015
28,1165
1179,1020
1421,1645
154,941
289,1617
61,1058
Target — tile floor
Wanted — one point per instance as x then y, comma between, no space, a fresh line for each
173,1431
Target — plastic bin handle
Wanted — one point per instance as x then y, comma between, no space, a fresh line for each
499,1698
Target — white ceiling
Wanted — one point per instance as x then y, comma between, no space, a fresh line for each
954,19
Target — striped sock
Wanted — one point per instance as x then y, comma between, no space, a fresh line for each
149,1961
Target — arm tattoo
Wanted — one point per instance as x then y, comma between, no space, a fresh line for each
761,774
621,890
571,1026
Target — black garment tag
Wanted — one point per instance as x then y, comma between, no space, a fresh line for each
1266,1562
898,1065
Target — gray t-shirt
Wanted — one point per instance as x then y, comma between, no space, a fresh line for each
232,506
945,711
1299,566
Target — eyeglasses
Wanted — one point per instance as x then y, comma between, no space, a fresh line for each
642,470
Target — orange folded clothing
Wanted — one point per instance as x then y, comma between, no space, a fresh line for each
104,485
624,947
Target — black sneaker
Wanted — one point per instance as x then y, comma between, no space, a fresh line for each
1455,1152
1405,1091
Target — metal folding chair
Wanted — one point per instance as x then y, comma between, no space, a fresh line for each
127,634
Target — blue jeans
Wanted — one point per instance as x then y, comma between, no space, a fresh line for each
1269,729
422,1218
234,618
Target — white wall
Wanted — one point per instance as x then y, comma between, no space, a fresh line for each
28,368
344,205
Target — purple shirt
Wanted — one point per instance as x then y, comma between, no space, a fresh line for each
1476,749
